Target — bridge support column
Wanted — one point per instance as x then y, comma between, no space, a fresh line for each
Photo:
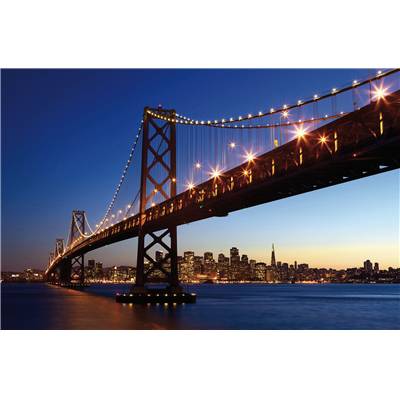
65,273
158,178
77,264
167,264
78,269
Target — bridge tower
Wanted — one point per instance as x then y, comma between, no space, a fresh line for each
73,269
59,247
158,175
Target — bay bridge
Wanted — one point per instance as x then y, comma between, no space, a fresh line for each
191,169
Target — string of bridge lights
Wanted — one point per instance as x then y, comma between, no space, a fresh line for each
287,123
225,122
99,225
87,223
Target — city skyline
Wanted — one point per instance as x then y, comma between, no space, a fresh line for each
90,258
337,226
234,267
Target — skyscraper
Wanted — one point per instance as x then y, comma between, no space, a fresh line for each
367,266
273,260
235,258
209,264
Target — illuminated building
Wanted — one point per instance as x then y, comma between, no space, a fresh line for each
98,271
209,263
258,271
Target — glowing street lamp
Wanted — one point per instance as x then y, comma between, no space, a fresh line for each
215,173
379,93
300,132
198,165
249,156
322,139
232,145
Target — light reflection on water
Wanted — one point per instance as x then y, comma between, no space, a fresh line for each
243,306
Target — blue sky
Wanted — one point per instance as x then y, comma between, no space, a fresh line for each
66,136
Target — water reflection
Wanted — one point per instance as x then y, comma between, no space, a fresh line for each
254,306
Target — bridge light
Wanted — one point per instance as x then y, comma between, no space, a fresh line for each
249,156
119,211
300,132
299,102
271,110
322,139
249,116
315,97
174,180
379,93
190,185
232,145
215,173
285,114
198,165
245,172
153,204
334,90
155,190
355,82
379,72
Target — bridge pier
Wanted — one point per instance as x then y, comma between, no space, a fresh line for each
158,176
65,272
167,265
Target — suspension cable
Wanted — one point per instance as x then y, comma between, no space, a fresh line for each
180,119
122,177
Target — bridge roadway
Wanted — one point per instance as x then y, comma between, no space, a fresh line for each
359,144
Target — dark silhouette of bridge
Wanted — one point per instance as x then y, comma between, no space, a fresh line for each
343,147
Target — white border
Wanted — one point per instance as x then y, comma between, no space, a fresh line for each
210,33
199,365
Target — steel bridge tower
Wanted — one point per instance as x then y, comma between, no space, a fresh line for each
73,269
158,175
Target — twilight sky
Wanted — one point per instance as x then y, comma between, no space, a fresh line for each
66,136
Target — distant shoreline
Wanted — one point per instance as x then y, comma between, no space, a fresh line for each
225,283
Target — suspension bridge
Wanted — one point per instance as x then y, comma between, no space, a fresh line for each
189,169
